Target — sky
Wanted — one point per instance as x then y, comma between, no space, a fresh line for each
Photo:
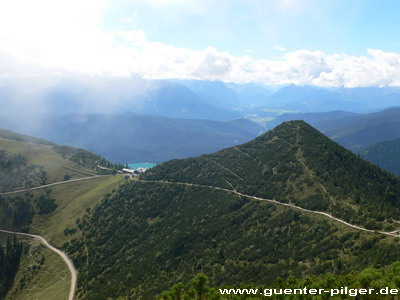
325,43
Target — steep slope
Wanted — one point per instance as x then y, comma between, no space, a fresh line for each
221,214
385,155
215,93
44,188
297,164
178,101
27,164
381,280
10,135
359,132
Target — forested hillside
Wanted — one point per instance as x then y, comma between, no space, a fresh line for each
198,215
385,154
296,164
10,256
28,204
379,279
27,162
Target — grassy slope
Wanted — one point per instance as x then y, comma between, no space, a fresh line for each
44,155
52,280
72,200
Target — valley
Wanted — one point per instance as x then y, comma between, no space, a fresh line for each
199,150
290,202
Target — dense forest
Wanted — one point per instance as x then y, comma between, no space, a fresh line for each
9,262
156,231
378,279
294,163
385,155
146,237
185,217
18,211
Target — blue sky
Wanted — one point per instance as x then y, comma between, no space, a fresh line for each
332,26
318,42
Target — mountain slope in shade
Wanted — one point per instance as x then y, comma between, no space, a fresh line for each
215,93
353,131
385,155
128,137
178,101
251,93
359,132
183,217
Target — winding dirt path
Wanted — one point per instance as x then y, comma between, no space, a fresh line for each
50,184
60,253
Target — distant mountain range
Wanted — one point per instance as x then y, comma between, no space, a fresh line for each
194,99
130,137
312,99
353,131
66,110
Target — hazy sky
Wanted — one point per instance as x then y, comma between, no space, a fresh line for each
319,42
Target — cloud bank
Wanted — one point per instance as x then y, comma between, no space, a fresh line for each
54,37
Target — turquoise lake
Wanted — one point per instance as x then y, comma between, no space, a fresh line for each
141,165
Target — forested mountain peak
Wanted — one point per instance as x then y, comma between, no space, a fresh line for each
243,214
295,163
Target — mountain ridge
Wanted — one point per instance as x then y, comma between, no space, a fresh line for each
193,215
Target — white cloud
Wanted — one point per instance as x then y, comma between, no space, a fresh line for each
58,36
53,33
214,65
279,48
128,20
